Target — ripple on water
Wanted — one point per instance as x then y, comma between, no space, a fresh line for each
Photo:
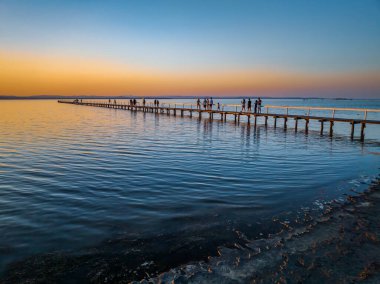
72,177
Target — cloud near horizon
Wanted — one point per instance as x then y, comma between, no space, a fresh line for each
23,74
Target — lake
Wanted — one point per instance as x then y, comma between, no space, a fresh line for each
158,191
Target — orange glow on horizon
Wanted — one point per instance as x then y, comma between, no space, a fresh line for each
25,75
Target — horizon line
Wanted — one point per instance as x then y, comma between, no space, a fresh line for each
54,97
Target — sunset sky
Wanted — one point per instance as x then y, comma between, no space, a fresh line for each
227,48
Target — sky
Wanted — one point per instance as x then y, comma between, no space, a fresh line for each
228,48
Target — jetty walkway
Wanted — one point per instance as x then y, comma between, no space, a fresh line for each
189,109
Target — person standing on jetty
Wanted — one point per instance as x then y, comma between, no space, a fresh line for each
259,102
249,105
243,105
211,103
204,103
218,105
144,102
255,109
198,103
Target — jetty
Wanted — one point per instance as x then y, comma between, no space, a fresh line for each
229,111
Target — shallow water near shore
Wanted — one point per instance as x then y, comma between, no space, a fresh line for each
135,194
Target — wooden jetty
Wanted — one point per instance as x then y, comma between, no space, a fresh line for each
236,114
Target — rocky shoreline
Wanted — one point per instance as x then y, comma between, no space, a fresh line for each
342,246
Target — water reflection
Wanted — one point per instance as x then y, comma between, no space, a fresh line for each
72,177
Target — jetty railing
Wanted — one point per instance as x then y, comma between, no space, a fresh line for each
333,110
237,107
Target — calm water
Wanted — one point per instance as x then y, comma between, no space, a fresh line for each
74,177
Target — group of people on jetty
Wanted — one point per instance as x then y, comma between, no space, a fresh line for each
208,103
133,102
257,105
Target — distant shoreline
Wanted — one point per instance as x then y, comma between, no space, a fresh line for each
171,97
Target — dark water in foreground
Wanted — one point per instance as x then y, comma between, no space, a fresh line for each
111,190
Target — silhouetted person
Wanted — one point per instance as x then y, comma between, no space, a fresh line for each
211,103
198,103
218,106
243,105
143,102
249,105
259,102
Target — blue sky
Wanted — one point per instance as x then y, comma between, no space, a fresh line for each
176,36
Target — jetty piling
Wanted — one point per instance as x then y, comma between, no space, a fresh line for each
285,122
331,128
362,131
322,121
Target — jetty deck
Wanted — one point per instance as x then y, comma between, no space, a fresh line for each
224,114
